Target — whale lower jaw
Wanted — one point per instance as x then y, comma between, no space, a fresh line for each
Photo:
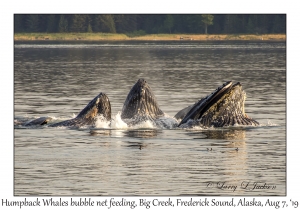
232,121
220,122
138,120
75,122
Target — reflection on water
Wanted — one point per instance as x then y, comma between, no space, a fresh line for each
142,133
58,79
228,134
138,133
100,132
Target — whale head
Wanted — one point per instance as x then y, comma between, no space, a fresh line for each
99,106
223,107
141,102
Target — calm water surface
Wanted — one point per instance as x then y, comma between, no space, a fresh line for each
58,79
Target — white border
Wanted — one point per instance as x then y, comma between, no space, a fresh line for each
150,7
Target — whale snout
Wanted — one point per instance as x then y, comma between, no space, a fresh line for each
141,84
141,81
103,106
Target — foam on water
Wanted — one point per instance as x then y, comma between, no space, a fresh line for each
118,123
101,122
268,124
164,122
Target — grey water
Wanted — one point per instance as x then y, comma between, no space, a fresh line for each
58,79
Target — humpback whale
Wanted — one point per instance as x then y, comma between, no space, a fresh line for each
98,107
140,104
223,107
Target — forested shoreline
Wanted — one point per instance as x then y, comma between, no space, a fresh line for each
98,36
143,24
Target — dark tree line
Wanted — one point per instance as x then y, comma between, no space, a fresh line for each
152,24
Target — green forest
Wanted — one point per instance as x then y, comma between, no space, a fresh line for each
141,24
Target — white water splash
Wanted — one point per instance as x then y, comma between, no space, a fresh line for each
144,124
101,122
197,127
118,123
269,123
57,118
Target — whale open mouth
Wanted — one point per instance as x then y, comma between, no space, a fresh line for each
223,107
204,104
141,102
